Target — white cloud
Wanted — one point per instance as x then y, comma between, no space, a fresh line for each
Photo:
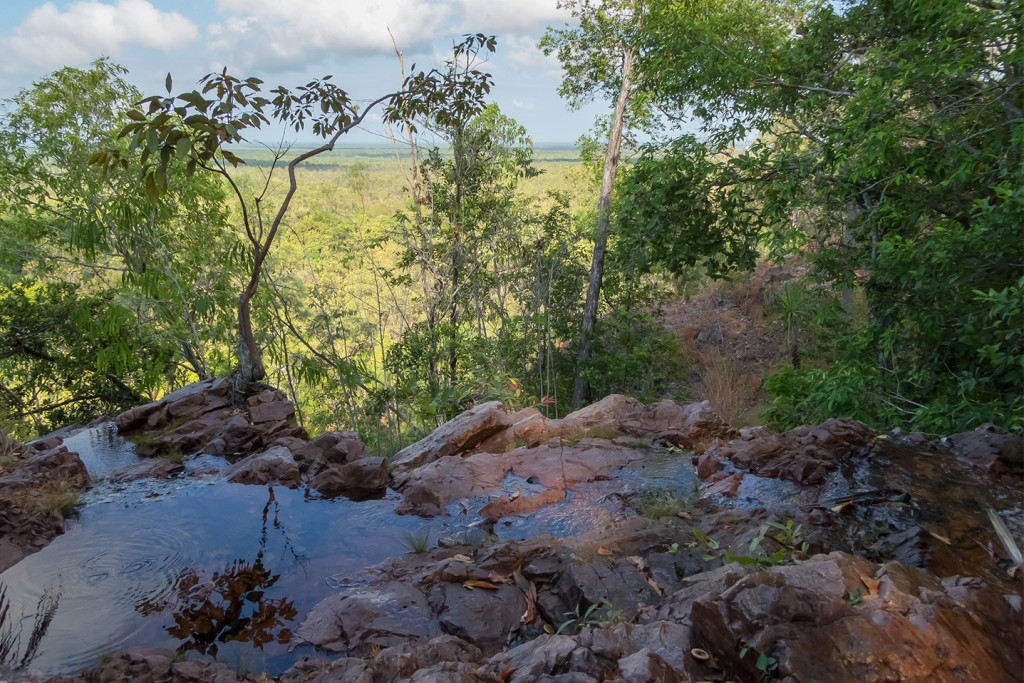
521,53
508,16
523,104
278,34
49,37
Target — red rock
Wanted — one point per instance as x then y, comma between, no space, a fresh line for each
271,411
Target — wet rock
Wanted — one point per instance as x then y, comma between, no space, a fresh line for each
453,437
156,468
275,466
358,480
989,449
521,504
805,455
902,624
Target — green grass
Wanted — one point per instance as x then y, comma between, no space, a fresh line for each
63,497
417,543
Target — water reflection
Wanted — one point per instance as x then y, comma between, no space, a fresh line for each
232,606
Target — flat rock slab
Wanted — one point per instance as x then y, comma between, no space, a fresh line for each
554,465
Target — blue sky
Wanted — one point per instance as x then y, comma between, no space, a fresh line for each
289,42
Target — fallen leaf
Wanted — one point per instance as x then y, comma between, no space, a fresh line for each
495,577
941,538
654,585
549,629
842,506
475,583
603,551
682,514
515,495
506,674
462,558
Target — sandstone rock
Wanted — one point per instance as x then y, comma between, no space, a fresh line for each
274,411
156,468
453,437
358,480
534,658
804,455
275,466
385,614
482,617
555,466
989,449
647,666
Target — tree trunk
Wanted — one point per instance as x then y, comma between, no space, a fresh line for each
250,363
581,390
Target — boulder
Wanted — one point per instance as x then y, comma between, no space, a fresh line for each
274,466
452,438
358,480
989,449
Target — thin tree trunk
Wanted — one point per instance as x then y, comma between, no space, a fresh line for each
581,390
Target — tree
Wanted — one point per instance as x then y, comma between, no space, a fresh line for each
200,133
62,216
889,137
598,57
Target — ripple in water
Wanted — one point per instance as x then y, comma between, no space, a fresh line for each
149,571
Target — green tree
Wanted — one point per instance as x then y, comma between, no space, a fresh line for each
165,263
201,132
889,137
598,57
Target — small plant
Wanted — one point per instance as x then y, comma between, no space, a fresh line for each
578,621
758,557
855,597
417,543
62,497
658,504
176,456
767,667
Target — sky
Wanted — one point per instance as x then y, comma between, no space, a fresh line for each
290,42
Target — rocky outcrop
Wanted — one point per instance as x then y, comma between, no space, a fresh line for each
453,437
34,498
471,455
201,416
805,455
990,449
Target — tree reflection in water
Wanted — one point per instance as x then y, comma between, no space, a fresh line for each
231,605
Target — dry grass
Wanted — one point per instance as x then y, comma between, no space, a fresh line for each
732,393
62,496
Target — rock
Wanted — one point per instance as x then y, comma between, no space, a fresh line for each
905,625
156,468
539,656
340,447
453,437
385,614
989,449
482,617
200,416
520,505
358,480
275,466
647,666
804,455
556,466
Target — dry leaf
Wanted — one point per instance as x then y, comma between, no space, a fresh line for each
842,506
603,551
506,674
549,629
654,585
462,558
941,538
474,583
495,577
515,495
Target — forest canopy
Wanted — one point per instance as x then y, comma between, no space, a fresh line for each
878,141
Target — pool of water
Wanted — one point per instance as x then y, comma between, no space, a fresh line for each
210,568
